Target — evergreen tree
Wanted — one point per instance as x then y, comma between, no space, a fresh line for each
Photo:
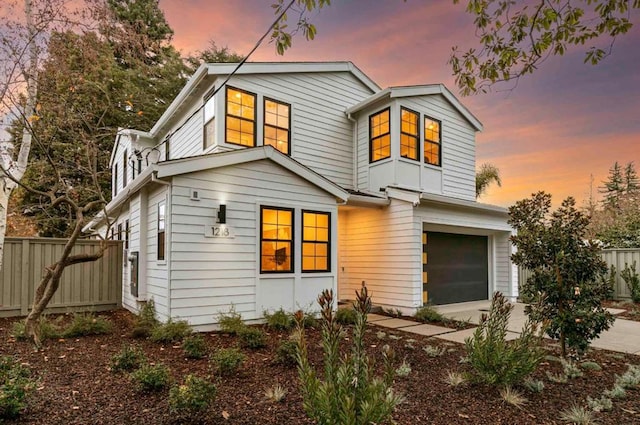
630,178
614,186
213,54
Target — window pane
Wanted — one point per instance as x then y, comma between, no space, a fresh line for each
209,135
209,109
284,217
322,235
315,245
309,233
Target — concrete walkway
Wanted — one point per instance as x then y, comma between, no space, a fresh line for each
623,336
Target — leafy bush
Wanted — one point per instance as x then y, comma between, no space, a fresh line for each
590,366
286,352
252,338
602,404
171,332
630,379
146,321
348,392
429,314
195,347
346,316
279,320
231,322
150,378
571,369
404,369
493,359
128,359
434,350
632,279
608,281
48,329
85,324
190,401
533,385
15,386
227,360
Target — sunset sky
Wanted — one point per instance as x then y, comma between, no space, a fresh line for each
555,129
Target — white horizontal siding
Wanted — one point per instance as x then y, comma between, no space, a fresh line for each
503,265
156,271
187,140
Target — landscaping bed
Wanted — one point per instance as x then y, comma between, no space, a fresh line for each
631,309
75,384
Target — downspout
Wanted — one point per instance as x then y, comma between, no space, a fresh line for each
155,179
355,152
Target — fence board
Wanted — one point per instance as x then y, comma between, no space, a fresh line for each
613,257
86,286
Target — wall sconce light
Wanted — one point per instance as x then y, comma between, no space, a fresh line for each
222,214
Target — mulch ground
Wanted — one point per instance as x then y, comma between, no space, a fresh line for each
76,385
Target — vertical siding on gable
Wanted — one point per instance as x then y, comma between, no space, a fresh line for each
382,248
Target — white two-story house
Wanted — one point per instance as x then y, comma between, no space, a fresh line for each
260,190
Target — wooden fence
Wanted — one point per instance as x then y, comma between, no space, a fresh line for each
617,257
90,286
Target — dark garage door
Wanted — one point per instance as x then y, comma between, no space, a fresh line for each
456,267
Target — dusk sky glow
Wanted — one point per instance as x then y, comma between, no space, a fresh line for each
556,128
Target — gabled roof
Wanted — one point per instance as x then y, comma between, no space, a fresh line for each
216,160
425,90
125,132
217,69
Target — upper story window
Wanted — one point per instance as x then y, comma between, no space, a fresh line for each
315,241
167,149
379,136
409,147
124,168
276,240
277,125
432,142
161,231
115,180
241,117
209,123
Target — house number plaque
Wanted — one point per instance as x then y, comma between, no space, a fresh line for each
217,231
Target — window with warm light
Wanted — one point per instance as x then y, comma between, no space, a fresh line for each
432,142
409,147
161,231
316,241
276,240
241,117
379,136
277,124
209,123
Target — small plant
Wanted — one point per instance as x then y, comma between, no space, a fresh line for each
47,329
632,279
279,320
393,312
533,385
602,404
608,281
429,314
171,332
381,335
571,369
275,394
286,352
145,321
493,359
149,378
512,397
15,386
252,338
558,378
346,316
85,324
404,369
616,392
434,350
228,360
454,379
231,322
590,366
195,347
128,359
630,379
577,415
190,401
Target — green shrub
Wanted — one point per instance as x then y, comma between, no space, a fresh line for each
429,314
533,385
496,361
85,324
231,322
146,321
48,329
190,401
571,369
171,332
286,352
590,366
349,392
632,279
602,404
227,360
279,320
128,359
252,338
195,347
15,386
150,378
346,316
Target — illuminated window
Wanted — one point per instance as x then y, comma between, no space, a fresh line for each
432,142
241,117
161,230
315,241
409,147
209,123
379,136
276,125
276,240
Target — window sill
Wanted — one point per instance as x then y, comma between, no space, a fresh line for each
276,275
